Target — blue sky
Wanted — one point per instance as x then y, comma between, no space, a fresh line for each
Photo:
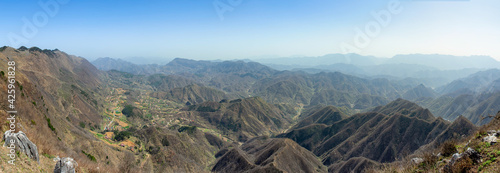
252,28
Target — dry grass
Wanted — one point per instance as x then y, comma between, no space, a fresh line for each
462,165
449,148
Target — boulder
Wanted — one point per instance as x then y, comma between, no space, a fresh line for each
417,160
490,139
21,143
65,165
470,153
494,133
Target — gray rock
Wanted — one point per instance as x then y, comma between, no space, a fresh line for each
417,160
490,139
65,165
22,143
495,133
491,132
472,154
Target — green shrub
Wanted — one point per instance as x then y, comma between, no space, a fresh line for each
90,156
189,129
82,124
120,136
35,49
50,125
165,142
205,109
448,148
48,155
22,48
128,111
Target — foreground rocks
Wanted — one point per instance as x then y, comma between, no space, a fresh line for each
492,137
21,142
65,165
470,153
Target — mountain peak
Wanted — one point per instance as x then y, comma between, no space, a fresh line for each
406,108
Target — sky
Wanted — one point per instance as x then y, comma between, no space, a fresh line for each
252,29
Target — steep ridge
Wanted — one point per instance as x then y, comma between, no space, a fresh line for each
419,91
375,135
178,152
263,154
55,92
242,118
404,107
166,83
326,115
475,97
191,94
474,82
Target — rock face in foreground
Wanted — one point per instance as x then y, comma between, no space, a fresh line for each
65,165
22,143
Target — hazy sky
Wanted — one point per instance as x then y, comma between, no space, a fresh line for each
238,29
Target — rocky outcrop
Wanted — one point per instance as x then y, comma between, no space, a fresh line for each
21,142
417,160
492,137
65,165
470,153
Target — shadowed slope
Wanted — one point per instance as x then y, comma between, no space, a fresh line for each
269,155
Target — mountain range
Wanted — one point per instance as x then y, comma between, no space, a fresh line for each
240,116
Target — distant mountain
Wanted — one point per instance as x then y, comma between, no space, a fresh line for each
242,119
179,65
492,87
445,62
336,89
166,83
328,59
405,107
474,82
191,94
419,91
474,107
376,136
326,115
107,64
441,62
474,97
430,69
429,76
